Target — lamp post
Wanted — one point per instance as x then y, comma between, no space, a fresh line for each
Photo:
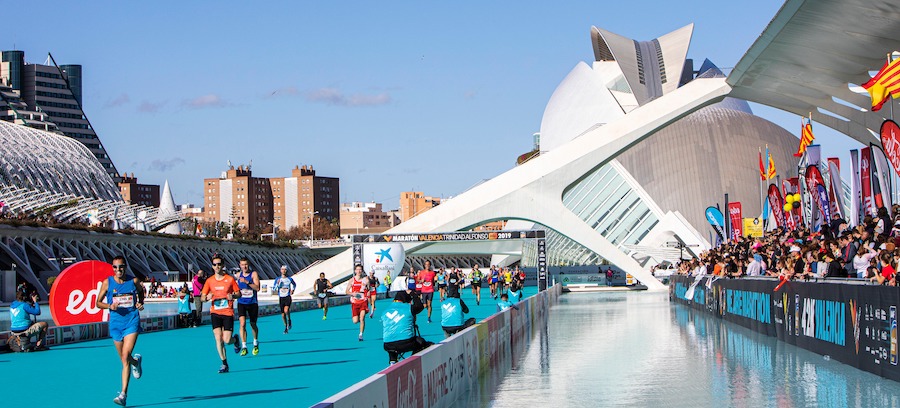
312,232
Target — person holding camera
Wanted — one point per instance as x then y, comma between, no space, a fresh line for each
20,325
123,296
399,326
453,311
221,289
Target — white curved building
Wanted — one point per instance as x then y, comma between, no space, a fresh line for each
631,155
45,161
44,172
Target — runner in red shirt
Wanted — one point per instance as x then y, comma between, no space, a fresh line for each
357,288
426,279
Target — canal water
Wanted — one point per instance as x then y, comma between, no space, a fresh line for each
639,350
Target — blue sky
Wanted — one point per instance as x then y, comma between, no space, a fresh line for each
388,96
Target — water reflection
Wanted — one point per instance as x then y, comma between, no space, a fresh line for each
637,349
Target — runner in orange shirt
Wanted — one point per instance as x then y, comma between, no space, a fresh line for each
222,290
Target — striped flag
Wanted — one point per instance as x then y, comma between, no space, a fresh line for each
762,170
806,136
771,165
885,82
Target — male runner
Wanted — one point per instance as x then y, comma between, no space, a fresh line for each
442,282
494,277
248,305
359,302
321,287
124,297
476,277
285,287
196,288
222,289
426,279
373,293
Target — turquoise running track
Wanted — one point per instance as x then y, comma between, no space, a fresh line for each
315,360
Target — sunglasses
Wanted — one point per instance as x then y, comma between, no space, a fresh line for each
217,264
118,266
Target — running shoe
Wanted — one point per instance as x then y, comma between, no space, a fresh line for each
285,330
256,349
324,317
429,320
243,352
237,343
120,400
290,325
223,369
136,370
360,337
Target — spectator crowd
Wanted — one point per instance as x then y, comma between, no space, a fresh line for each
868,251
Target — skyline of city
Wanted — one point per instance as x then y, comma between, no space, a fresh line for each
355,109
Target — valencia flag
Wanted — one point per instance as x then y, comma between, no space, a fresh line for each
762,170
885,82
806,136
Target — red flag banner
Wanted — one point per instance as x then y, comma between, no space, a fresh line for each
890,140
795,189
790,220
762,170
865,180
737,220
777,205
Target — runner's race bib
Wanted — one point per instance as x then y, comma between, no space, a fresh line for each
418,286
284,292
358,296
125,301
426,284
322,295
246,293
452,280
220,304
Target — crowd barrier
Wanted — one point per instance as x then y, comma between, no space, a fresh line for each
58,335
855,324
441,374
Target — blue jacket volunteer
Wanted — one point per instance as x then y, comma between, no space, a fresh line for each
20,312
453,311
399,323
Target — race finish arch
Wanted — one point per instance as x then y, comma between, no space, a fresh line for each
384,253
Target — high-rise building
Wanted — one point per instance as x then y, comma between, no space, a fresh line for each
304,195
238,197
48,97
141,194
413,203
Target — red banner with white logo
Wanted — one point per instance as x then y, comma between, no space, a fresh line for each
737,220
865,180
776,203
73,297
890,140
792,186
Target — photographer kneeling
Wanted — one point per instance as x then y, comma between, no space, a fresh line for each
20,312
399,321
453,311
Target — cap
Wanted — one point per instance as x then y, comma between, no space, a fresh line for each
795,248
403,297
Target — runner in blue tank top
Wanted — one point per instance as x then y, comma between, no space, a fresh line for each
248,305
123,296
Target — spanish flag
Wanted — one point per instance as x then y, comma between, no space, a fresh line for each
806,136
771,166
885,82
762,170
